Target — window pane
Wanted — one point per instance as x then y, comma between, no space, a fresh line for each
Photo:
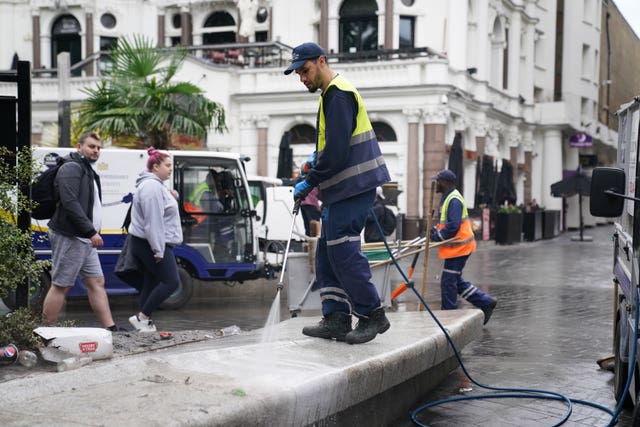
406,31
358,26
108,20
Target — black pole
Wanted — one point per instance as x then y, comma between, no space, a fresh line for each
581,222
23,78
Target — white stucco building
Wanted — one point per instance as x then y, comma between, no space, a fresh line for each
515,78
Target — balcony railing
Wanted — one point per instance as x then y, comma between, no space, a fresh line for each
246,55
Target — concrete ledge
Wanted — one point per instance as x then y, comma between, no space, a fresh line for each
292,381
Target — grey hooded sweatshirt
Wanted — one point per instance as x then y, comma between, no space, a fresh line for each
155,216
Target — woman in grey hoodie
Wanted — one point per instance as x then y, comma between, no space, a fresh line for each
155,229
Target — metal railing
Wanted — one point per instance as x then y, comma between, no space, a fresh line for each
246,55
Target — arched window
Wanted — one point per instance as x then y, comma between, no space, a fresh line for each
219,28
303,134
358,26
65,37
384,132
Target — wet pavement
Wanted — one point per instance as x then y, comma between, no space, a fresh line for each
552,322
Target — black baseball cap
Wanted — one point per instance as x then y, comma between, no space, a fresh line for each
444,175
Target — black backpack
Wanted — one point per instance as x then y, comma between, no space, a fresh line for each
42,192
388,222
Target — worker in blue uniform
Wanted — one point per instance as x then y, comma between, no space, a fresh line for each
346,166
454,222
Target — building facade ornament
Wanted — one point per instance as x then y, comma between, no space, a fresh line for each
460,123
435,114
480,128
413,114
261,121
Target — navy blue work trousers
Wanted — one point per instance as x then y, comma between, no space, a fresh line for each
452,284
342,270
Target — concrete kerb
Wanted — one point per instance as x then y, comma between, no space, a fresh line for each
293,381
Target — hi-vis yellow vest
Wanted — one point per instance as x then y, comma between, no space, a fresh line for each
466,242
365,168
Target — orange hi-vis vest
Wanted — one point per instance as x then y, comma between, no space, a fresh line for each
466,242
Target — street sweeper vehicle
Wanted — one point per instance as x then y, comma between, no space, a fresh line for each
613,195
220,238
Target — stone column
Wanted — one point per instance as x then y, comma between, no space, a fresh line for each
323,30
480,143
411,225
515,27
528,145
551,167
433,151
35,39
185,27
45,46
161,33
480,132
89,68
388,24
262,124
527,176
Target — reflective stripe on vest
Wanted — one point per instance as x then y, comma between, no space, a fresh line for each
365,168
466,243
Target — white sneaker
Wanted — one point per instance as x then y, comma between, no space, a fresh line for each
142,325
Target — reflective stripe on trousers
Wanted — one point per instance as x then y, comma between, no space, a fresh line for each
452,284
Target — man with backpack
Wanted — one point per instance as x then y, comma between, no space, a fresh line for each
74,233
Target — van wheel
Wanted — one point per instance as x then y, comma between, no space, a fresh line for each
37,292
621,373
182,295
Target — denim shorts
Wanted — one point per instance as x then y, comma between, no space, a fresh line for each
71,258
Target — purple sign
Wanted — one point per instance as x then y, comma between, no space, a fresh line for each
581,140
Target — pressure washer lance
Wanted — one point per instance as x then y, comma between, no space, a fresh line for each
296,209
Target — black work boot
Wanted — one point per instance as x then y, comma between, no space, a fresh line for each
334,325
369,327
488,310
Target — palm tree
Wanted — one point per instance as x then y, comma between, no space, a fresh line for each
138,98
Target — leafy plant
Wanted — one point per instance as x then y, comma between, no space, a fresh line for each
139,98
17,328
509,209
18,264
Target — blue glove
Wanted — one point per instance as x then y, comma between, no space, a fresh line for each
434,236
309,164
312,159
301,190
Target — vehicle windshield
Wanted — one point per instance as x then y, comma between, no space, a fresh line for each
214,208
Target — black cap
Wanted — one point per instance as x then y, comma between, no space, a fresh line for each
445,175
302,54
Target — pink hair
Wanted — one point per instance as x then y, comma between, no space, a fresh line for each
155,157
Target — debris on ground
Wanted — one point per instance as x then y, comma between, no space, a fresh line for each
124,344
